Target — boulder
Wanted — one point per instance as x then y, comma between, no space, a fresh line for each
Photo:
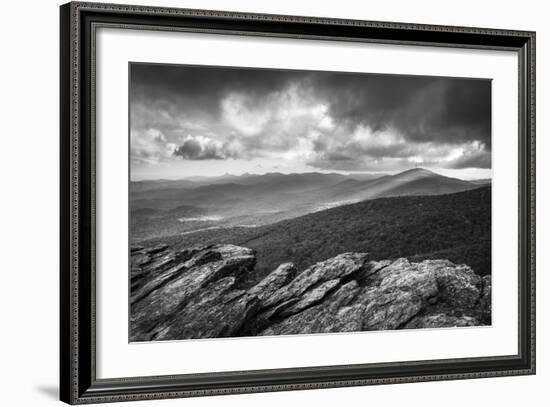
332,315
458,285
337,267
275,280
311,296
216,311
416,278
205,267
389,308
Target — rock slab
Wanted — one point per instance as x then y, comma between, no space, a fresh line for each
197,293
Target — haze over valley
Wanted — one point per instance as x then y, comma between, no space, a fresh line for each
165,207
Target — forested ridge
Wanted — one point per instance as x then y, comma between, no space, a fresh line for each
455,226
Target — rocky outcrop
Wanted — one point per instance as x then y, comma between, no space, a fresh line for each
199,292
174,282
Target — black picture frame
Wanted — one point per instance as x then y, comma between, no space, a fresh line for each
78,382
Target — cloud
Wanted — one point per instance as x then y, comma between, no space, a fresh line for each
386,151
451,110
474,155
149,147
328,120
201,148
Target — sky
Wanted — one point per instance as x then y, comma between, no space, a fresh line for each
203,120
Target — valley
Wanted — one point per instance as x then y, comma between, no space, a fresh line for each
164,207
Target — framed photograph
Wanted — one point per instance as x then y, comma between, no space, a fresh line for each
255,203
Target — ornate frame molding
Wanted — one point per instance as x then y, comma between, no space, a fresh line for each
78,380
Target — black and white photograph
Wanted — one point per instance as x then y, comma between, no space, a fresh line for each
278,202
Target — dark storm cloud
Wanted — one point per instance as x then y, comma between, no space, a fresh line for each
201,148
203,87
332,119
480,159
435,109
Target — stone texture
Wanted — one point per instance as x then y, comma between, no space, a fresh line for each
311,296
275,280
217,311
458,285
390,309
441,321
197,293
485,300
206,266
156,249
337,267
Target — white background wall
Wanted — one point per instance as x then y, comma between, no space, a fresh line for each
29,163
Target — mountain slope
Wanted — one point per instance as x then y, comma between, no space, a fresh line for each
416,181
453,226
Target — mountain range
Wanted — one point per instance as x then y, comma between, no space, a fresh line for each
166,207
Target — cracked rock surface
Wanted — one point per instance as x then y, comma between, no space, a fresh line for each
198,293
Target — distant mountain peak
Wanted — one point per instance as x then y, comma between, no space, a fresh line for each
419,171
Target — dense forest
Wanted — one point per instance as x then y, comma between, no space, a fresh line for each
452,226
